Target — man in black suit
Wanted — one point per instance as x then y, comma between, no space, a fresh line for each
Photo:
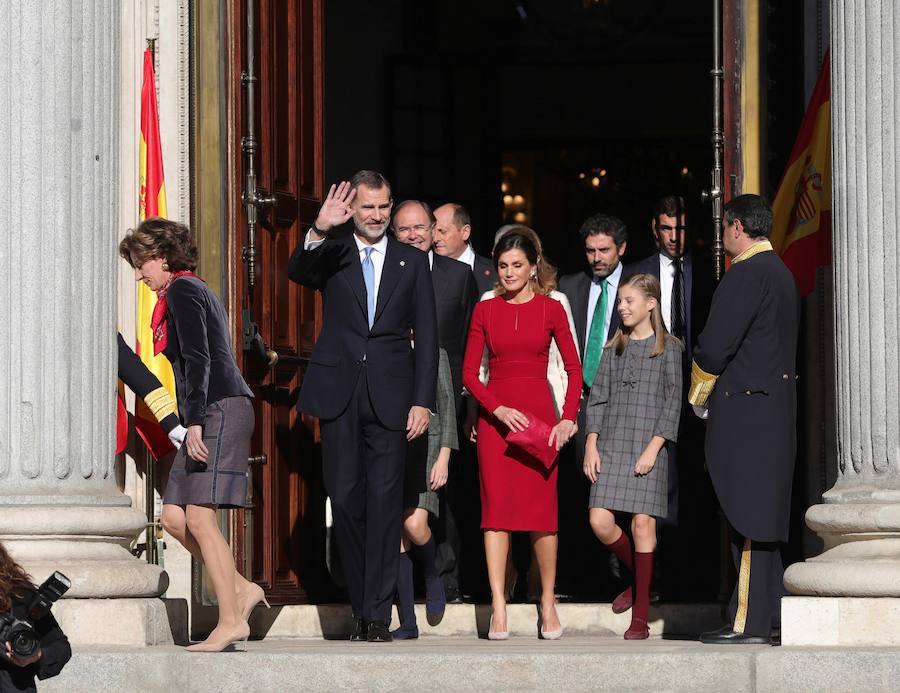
687,281
744,376
370,389
451,239
455,293
461,508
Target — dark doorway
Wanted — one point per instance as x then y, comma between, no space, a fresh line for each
542,112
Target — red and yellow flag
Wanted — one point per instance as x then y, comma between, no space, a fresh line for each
801,229
152,204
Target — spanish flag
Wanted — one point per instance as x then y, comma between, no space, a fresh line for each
152,204
801,229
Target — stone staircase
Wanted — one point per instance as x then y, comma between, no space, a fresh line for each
301,648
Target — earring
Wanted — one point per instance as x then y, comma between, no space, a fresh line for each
165,267
533,275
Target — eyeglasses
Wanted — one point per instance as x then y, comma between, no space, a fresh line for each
418,228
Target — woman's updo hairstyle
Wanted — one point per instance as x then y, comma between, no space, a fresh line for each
515,241
161,238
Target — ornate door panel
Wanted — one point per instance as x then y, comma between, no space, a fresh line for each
280,540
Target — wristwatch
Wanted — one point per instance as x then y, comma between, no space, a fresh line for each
318,230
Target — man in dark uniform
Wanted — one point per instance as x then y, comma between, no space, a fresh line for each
744,379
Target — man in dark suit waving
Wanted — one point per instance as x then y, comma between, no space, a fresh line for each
370,389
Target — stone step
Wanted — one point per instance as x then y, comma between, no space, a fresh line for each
469,664
333,621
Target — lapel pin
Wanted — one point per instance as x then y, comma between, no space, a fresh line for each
403,263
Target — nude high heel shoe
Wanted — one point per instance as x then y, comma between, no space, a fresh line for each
256,595
238,635
499,634
549,634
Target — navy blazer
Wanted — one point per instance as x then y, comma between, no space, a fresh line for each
199,349
398,376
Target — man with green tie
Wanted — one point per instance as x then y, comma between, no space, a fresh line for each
592,295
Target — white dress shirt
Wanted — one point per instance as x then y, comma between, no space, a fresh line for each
666,282
379,250
468,256
430,259
594,296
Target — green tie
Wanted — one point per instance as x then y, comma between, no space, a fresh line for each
596,338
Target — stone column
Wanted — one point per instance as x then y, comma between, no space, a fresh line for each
859,519
60,506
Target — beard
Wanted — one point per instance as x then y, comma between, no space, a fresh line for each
373,234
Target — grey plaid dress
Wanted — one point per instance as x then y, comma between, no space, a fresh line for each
423,452
634,397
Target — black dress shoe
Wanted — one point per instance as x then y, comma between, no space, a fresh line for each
358,632
726,636
379,632
776,636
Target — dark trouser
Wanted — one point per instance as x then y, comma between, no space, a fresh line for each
755,607
363,466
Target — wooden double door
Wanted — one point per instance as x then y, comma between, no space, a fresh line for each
280,540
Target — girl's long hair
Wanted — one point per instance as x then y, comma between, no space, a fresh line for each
12,577
648,285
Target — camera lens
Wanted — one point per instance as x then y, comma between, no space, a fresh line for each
24,643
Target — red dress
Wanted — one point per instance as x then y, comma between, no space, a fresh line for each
518,493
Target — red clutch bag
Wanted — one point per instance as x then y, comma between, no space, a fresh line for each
533,440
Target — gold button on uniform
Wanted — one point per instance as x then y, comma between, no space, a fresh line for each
748,392
786,376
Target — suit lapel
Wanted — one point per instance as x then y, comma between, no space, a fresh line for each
584,290
688,269
353,274
438,277
390,275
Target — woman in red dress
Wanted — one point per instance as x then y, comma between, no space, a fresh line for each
518,492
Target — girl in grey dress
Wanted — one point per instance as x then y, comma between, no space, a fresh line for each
426,472
633,409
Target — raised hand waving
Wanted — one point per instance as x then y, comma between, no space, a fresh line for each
336,209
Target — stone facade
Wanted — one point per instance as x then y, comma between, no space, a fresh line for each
859,518
60,505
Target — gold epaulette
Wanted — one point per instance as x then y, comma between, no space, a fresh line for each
702,384
161,403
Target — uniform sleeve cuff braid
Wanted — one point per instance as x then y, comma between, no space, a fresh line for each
702,384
